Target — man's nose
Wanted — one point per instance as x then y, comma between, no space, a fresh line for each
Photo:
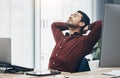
70,17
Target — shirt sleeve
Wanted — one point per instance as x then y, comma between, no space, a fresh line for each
95,33
57,28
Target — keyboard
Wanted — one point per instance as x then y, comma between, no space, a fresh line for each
18,69
14,69
4,64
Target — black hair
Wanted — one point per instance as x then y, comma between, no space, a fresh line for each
84,19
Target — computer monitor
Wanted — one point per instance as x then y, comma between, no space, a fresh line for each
5,50
110,49
5,57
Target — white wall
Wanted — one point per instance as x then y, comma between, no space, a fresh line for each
17,23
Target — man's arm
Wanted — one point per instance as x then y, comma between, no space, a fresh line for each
57,28
95,33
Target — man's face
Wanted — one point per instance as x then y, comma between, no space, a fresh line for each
74,19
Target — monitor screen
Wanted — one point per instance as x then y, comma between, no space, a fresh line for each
110,49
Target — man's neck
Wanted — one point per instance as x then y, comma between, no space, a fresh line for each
72,31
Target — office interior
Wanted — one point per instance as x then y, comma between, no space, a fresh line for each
27,23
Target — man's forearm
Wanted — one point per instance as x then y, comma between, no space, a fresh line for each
61,25
57,28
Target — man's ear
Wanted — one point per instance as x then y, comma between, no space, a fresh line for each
81,24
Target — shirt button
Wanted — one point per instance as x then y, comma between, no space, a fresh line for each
56,54
53,63
64,39
60,47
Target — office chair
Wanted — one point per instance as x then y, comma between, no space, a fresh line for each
83,65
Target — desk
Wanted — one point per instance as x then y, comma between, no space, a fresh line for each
98,73
91,74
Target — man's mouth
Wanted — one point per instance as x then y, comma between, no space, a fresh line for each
69,20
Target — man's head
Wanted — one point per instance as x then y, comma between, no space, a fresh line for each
78,20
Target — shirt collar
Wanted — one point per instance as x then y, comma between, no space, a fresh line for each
75,34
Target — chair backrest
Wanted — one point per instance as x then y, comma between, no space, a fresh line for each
83,66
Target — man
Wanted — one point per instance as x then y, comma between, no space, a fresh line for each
73,46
